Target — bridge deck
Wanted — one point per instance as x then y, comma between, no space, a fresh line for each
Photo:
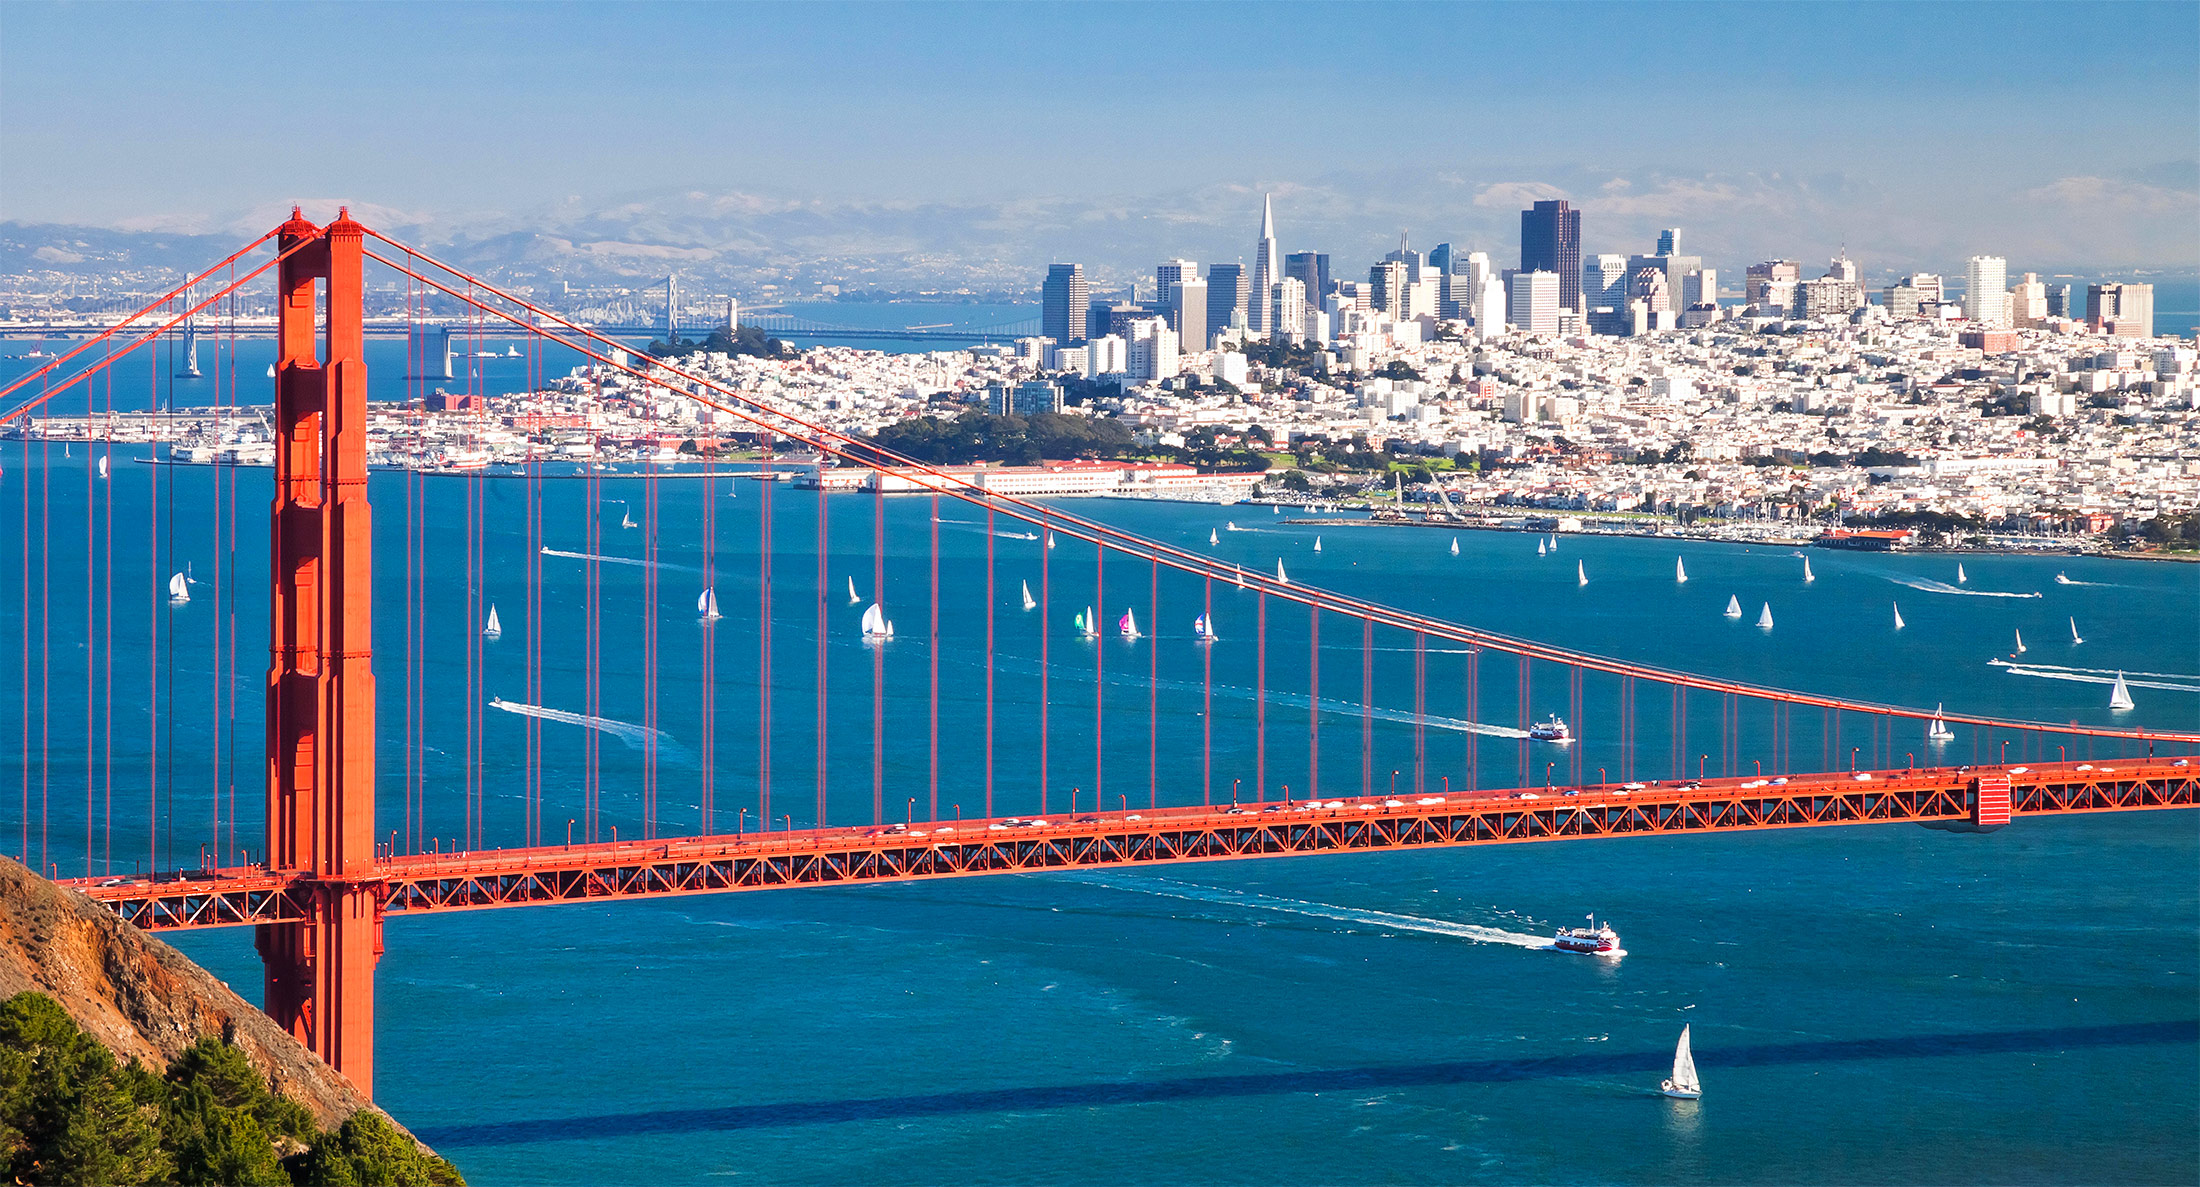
962,848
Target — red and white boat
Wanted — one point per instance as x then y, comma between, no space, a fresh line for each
1592,940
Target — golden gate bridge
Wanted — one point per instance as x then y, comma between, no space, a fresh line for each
326,859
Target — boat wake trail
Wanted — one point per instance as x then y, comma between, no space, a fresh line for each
617,560
2166,681
635,736
1192,892
1929,585
2094,584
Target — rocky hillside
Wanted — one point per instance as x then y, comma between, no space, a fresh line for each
143,999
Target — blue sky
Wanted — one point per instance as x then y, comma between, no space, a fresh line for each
2064,131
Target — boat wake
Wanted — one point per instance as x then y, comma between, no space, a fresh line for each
636,737
1929,585
617,560
1192,892
2166,681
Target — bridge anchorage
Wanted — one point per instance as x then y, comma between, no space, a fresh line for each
1229,752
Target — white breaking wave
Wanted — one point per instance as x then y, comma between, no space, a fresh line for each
1941,587
616,560
635,736
1191,892
2174,682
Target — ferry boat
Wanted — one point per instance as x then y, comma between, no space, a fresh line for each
1551,729
1592,940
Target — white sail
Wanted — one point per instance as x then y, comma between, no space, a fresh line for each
1554,544
1808,577
626,519
1202,629
494,628
1764,617
2075,638
2119,697
271,370
1733,606
1029,603
1455,546
2020,642
1684,1082
1680,572
1213,538
1581,574
1280,578
1050,539
1938,731
874,622
179,589
103,465
1127,626
1540,550
706,604
1960,577
1275,509
1317,543
854,599
1090,622
1898,623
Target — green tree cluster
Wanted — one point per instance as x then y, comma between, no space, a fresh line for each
1029,440
747,340
70,1114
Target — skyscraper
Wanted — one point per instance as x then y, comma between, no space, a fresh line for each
1604,293
1535,301
1287,309
1986,290
2125,310
1550,241
1185,304
1064,303
1169,272
1388,279
1226,296
1771,283
1267,268
1312,270
1440,259
1669,242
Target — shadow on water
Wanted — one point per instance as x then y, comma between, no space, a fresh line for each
1136,1092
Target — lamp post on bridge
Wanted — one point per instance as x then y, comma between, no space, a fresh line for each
1852,758
569,833
1234,791
1700,760
1547,769
740,822
909,815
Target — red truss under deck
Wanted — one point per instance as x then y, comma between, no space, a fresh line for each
711,865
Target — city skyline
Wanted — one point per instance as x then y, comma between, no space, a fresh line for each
778,135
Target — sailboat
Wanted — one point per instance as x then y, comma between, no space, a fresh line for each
271,370
1680,572
706,605
1554,544
1808,576
1317,543
875,625
1455,546
1898,623
854,599
2119,697
1540,550
1050,539
1280,578
1938,731
494,628
2075,639
1029,604
1683,1084
103,465
179,589
1733,606
1275,509
1212,538
2020,642
626,519
1764,618
1203,630
1960,577
1127,626
1581,574
1088,624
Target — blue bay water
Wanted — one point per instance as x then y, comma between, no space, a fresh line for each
1876,1004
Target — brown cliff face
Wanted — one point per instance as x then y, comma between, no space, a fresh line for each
143,999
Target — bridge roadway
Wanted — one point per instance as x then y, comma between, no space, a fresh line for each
416,883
